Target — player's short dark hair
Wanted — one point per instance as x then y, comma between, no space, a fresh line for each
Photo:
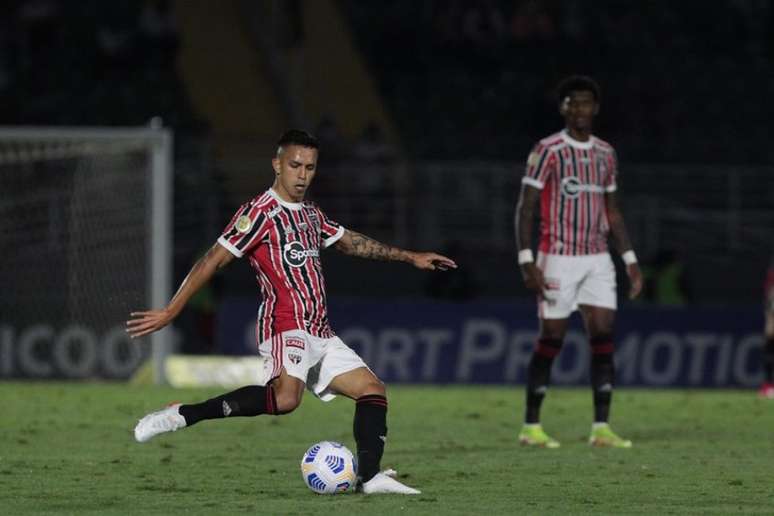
298,137
578,83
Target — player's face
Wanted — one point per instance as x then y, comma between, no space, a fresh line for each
295,167
578,110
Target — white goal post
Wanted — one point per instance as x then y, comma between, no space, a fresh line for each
114,182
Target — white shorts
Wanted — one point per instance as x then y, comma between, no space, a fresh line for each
576,280
313,360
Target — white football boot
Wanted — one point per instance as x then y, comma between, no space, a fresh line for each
155,423
384,482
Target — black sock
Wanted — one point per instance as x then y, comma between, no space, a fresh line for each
370,430
602,376
538,376
768,360
252,400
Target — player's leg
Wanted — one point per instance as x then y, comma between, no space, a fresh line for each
342,371
286,360
552,332
370,422
370,429
280,396
767,389
599,327
554,308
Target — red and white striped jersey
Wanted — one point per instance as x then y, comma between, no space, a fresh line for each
283,242
574,177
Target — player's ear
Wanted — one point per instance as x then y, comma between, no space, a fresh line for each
275,164
564,105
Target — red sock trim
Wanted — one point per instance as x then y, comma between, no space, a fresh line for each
606,348
271,400
372,399
548,348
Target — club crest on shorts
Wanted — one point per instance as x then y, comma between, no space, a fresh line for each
295,358
243,224
294,342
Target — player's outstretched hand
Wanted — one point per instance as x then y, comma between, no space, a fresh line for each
635,280
143,323
432,262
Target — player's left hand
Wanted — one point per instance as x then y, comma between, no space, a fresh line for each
432,262
635,280
143,323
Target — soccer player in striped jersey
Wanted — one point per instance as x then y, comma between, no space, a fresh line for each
572,175
282,235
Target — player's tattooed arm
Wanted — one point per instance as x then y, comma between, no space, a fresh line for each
357,244
617,226
148,321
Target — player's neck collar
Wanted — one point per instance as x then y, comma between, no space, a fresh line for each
575,143
286,204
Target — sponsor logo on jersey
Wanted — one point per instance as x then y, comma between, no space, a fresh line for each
572,187
243,224
294,342
296,255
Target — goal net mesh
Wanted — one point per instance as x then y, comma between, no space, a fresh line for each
74,224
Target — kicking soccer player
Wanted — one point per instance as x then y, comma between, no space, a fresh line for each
573,175
282,235
767,389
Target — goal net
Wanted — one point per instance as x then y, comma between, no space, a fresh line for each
85,234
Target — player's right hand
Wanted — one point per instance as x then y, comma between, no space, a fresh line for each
143,323
533,278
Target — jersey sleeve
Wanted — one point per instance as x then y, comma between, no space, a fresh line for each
247,228
330,231
611,177
540,163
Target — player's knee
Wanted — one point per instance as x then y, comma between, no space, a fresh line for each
287,400
372,387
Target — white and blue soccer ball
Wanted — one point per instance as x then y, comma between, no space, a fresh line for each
329,467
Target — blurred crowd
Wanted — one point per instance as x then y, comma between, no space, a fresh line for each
676,76
90,63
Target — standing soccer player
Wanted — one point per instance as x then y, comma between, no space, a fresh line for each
572,175
282,235
767,389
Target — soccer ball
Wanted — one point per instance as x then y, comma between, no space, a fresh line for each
328,467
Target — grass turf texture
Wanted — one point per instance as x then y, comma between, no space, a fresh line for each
68,449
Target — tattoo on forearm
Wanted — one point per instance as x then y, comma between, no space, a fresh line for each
366,247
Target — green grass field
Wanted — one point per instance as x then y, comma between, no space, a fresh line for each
68,449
